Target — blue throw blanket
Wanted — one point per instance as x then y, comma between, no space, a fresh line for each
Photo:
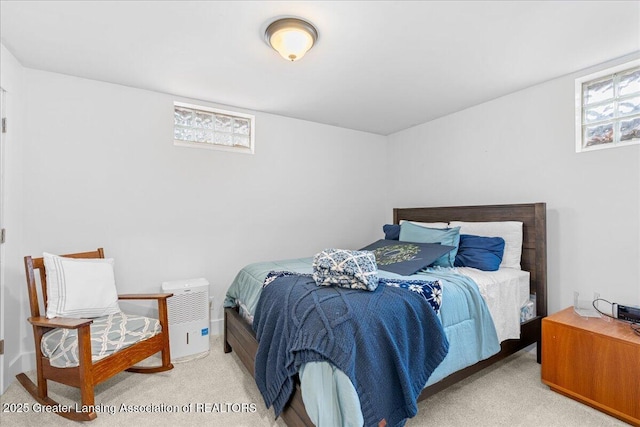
388,342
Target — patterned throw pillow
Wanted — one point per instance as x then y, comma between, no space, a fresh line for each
429,290
345,268
405,258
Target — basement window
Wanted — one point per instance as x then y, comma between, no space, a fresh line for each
210,128
608,108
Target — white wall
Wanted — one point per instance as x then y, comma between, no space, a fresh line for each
94,165
521,148
13,321
100,169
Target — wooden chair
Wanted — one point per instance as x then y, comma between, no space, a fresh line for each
89,373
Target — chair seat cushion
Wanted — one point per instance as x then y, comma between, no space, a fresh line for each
109,334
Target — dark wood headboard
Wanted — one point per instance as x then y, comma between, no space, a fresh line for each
534,241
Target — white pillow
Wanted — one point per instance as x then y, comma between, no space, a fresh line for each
510,231
80,287
429,224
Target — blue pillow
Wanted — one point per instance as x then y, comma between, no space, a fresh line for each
483,253
391,231
410,232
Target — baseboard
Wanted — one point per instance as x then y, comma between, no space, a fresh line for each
24,362
217,326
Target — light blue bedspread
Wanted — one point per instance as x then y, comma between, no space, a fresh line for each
464,316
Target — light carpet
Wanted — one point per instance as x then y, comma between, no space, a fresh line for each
216,390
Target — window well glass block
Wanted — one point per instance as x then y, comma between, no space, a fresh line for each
183,116
630,130
629,106
609,114
598,91
203,120
206,127
601,134
202,135
223,139
599,113
224,124
241,126
241,140
183,134
629,83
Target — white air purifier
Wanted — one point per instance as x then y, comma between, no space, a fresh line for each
188,311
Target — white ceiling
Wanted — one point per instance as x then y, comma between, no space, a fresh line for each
378,66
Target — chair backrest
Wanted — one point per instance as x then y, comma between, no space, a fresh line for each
33,264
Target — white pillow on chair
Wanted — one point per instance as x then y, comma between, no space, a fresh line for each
80,287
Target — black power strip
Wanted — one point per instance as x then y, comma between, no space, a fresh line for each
626,313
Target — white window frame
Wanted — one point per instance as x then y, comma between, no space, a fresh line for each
580,113
213,145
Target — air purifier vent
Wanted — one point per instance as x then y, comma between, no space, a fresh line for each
188,306
188,311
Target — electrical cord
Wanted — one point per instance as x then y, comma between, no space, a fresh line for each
602,312
635,327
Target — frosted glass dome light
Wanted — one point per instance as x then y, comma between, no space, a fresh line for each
291,37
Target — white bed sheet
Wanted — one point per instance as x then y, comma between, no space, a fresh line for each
505,292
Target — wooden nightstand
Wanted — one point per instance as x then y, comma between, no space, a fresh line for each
593,360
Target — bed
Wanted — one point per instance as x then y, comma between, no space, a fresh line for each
239,336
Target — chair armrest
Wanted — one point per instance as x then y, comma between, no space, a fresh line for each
145,296
59,322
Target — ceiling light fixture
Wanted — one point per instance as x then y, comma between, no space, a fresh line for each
291,37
